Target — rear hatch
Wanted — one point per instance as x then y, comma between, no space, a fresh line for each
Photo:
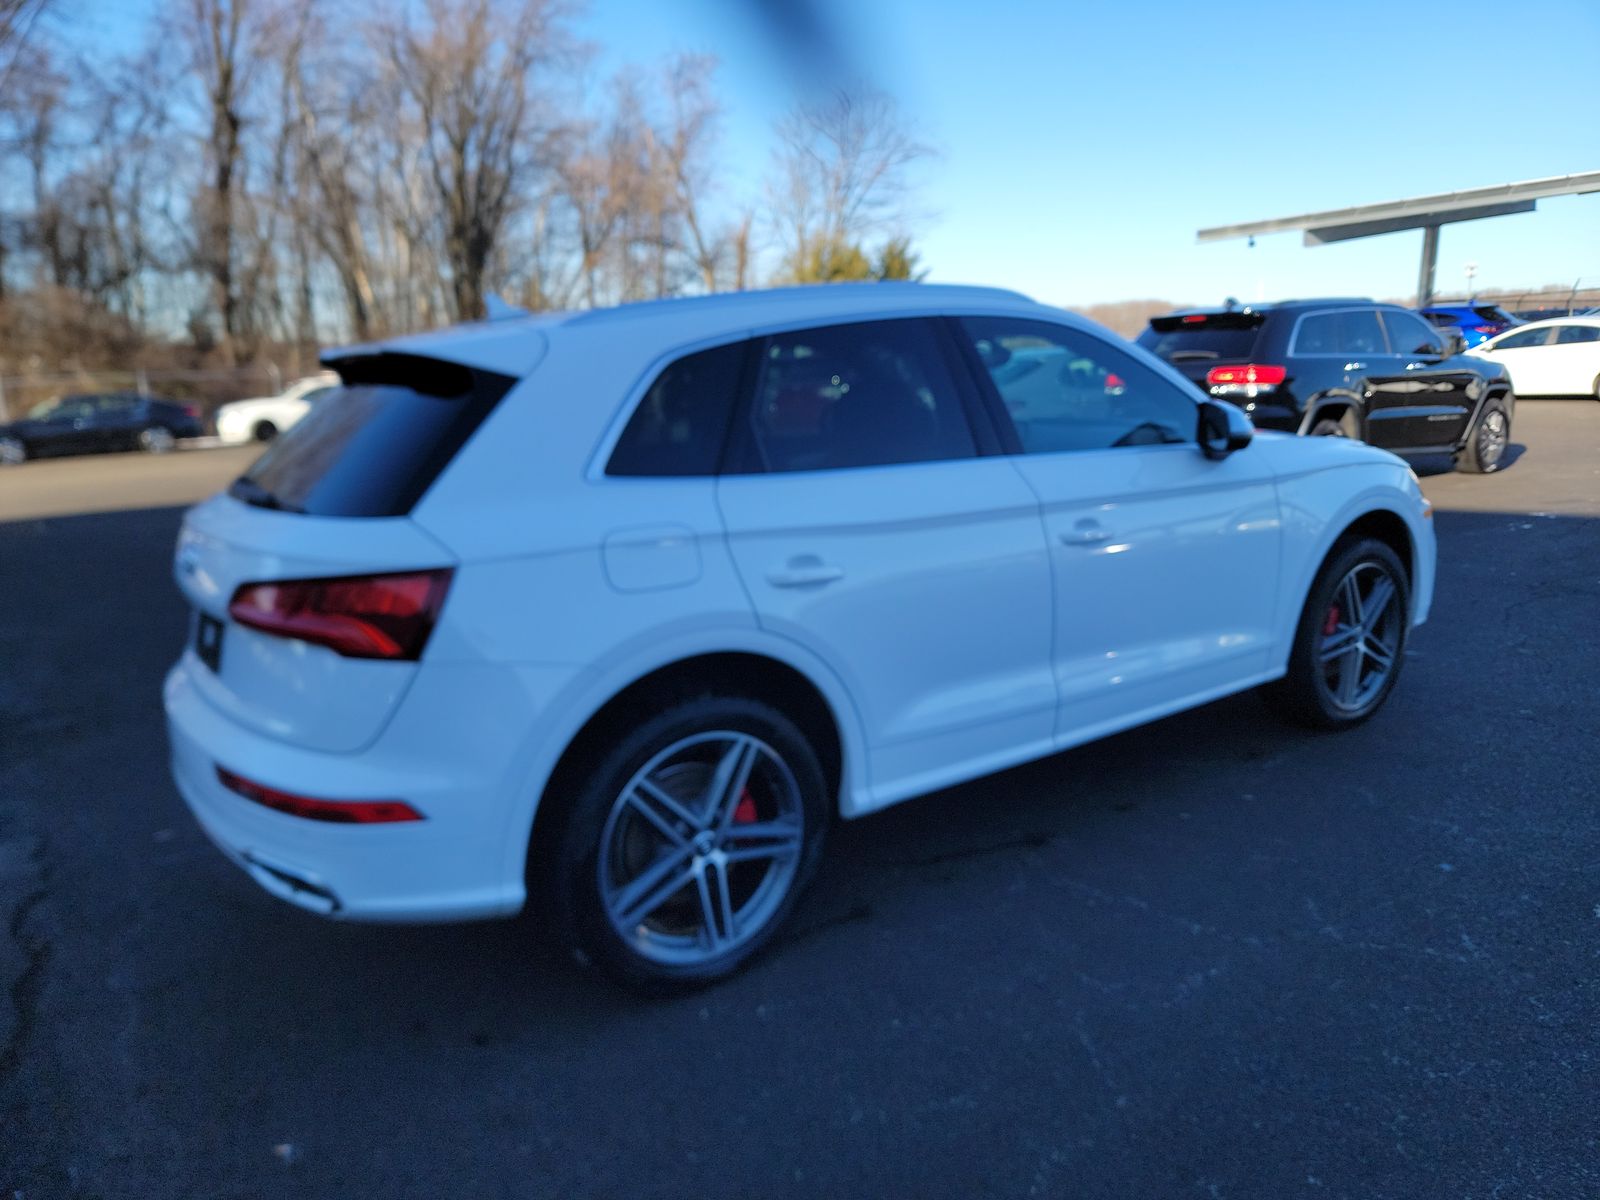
1493,318
316,663
1197,342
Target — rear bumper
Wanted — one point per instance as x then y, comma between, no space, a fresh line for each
455,761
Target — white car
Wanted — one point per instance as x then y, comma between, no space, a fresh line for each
1556,357
611,614
263,418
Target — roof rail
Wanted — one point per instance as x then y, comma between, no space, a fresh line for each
820,293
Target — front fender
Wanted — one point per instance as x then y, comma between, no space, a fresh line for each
1319,505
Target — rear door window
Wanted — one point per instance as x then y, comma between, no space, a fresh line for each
861,395
1345,331
372,446
1568,335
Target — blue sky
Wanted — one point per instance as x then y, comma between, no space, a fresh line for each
1081,145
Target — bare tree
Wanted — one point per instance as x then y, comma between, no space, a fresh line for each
17,21
469,70
608,184
266,174
33,110
326,130
843,173
686,149
222,39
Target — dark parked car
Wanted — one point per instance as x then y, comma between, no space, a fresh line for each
1475,321
84,424
1346,368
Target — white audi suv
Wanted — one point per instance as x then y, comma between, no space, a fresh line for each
610,614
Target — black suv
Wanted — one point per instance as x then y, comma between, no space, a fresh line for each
1347,368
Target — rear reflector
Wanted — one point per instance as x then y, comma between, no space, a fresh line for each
1250,373
340,812
358,616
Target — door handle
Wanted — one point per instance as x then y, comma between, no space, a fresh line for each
1085,533
808,571
1355,366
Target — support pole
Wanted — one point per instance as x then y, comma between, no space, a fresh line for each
1430,261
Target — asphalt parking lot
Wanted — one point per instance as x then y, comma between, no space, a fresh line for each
1214,957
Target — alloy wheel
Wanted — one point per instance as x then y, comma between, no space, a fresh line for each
12,452
157,439
1360,637
1492,437
700,848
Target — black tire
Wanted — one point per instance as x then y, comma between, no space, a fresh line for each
1485,451
571,856
1308,694
264,431
1344,426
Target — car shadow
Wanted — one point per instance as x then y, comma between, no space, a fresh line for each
1426,465
1227,767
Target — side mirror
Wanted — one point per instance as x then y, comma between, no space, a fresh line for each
1454,343
1223,429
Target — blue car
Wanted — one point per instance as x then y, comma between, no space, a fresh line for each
1476,321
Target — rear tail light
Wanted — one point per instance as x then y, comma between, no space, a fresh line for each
360,616
193,410
1486,329
340,812
1250,373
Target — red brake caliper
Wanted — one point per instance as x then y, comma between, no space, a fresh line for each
744,813
1332,623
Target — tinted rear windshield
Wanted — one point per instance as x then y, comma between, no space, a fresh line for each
372,446
1202,337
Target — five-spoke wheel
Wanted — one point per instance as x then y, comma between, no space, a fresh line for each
1351,639
683,845
700,847
1360,633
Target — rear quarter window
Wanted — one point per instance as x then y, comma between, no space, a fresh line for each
681,422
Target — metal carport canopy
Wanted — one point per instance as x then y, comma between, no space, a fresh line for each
1420,212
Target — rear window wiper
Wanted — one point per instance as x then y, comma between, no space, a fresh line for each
247,489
